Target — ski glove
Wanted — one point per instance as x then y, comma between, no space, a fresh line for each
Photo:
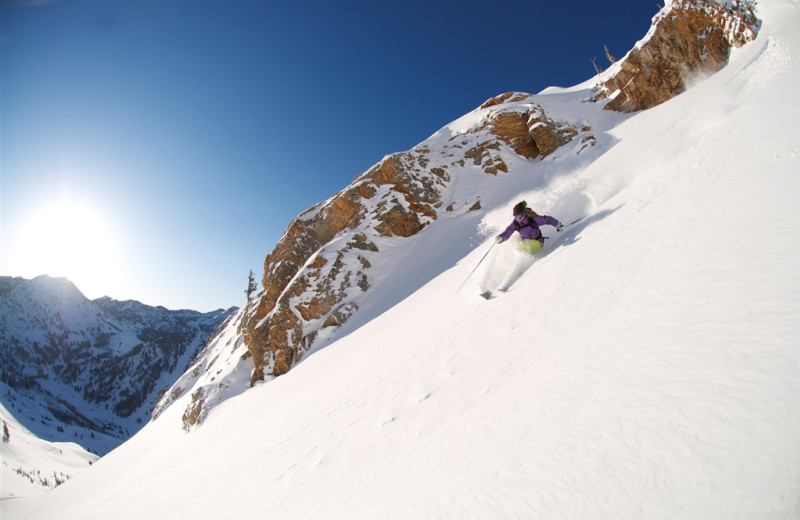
498,239
560,228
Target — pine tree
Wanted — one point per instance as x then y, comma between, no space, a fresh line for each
251,285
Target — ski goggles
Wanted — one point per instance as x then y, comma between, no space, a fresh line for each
519,215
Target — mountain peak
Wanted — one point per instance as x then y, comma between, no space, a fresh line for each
56,284
93,375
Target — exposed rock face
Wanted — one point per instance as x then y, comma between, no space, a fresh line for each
323,260
688,39
527,131
530,133
305,278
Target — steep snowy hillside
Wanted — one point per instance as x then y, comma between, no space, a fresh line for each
349,259
360,274
645,366
84,372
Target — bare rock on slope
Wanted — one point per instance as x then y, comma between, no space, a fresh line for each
689,39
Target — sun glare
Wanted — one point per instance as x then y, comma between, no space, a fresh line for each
70,240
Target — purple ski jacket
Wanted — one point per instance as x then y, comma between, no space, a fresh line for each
529,228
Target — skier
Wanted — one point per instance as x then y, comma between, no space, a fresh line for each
527,222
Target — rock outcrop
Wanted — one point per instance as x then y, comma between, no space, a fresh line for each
309,274
689,39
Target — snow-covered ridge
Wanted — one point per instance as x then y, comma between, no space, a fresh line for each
85,372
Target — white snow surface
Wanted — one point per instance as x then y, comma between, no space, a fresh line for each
33,466
646,366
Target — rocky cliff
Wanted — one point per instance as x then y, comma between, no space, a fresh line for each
688,40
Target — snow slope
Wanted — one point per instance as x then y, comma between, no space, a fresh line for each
646,366
32,465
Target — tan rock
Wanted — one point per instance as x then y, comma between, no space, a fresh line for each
692,40
301,288
531,134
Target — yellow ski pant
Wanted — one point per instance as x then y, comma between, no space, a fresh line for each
529,246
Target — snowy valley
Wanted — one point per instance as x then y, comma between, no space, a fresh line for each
79,377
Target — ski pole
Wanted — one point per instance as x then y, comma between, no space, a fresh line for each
476,267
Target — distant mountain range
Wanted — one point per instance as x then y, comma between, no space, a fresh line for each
90,371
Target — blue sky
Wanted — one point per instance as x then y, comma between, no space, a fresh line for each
190,133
